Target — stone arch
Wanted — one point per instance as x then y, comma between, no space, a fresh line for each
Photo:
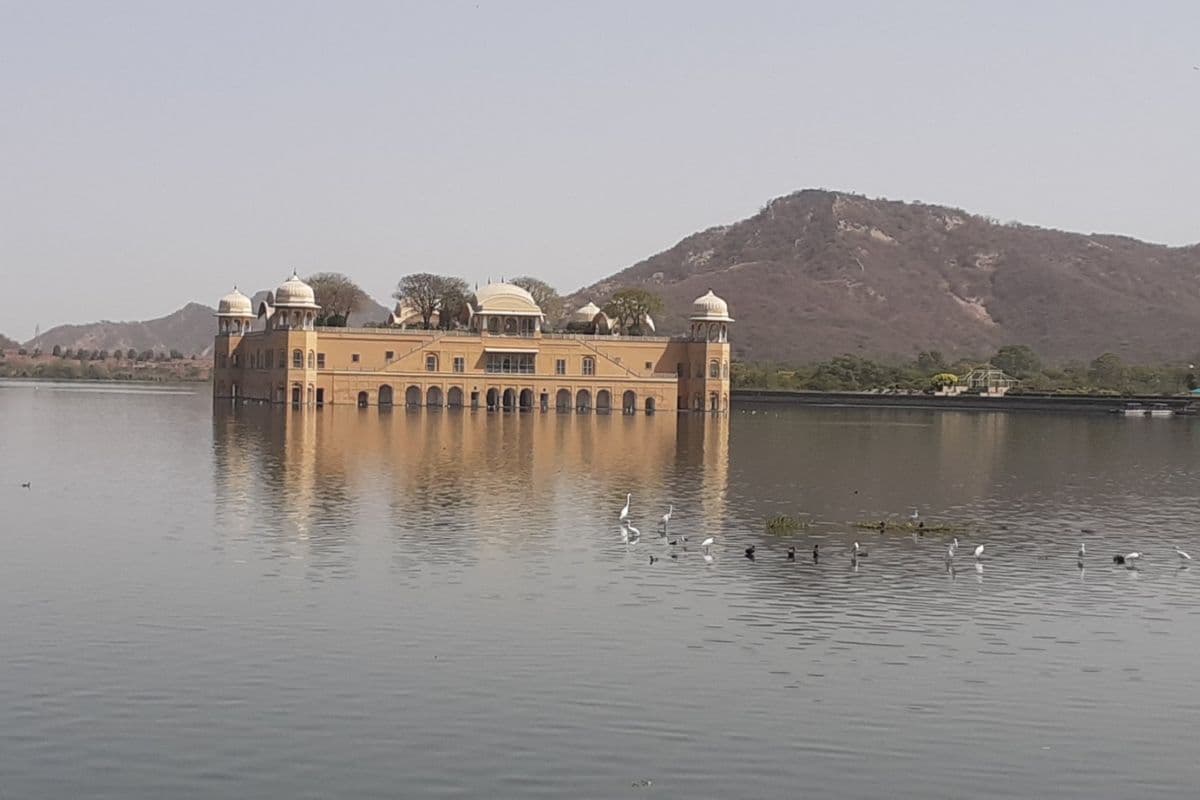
603,401
493,399
364,399
433,397
583,401
454,397
629,402
525,400
386,396
649,405
509,399
298,358
412,396
562,400
714,369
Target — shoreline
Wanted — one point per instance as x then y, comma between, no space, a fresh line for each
1085,404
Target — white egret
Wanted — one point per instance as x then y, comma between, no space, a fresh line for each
707,543
625,511
666,519
979,551
1182,555
858,551
1082,550
916,515
1128,558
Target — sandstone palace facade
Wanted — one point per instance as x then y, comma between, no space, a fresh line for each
502,360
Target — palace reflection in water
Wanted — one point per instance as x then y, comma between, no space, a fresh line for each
501,480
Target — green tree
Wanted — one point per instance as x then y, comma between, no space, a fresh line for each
104,355
424,293
1017,360
630,307
1107,372
338,297
131,354
544,295
931,361
452,306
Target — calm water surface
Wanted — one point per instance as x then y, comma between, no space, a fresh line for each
360,604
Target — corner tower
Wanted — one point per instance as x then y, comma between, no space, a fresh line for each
708,386
235,317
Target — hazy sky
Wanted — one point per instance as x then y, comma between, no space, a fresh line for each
159,152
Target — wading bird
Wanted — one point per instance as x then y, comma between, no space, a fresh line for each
666,519
625,511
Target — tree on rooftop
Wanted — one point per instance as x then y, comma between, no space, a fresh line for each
338,297
544,295
424,292
630,307
452,305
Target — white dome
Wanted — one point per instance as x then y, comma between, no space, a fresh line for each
505,298
235,304
295,293
585,313
710,308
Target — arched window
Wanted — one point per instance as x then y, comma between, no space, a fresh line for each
589,365
714,369
312,360
298,359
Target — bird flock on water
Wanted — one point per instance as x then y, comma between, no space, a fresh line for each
631,535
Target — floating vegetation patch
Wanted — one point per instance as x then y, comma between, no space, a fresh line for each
893,526
785,523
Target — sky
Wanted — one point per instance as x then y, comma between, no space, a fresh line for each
153,154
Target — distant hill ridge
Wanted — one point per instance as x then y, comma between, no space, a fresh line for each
820,273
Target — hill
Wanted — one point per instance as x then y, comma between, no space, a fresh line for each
7,343
818,273
188,330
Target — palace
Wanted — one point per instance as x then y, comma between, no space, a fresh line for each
501,360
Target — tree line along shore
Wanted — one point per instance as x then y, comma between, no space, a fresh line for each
930,371
162,366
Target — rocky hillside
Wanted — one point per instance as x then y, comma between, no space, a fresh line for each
188,330
818,273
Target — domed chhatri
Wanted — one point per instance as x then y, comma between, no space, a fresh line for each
710,308
585,314
495,355
710,318
505,298
295,293
235,304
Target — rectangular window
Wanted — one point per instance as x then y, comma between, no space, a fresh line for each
560,366
431,363
354,357
649,365
270,359
298,359
320,361
389,356
460,364
589,366
510,363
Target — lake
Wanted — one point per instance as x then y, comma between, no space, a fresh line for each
243,602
